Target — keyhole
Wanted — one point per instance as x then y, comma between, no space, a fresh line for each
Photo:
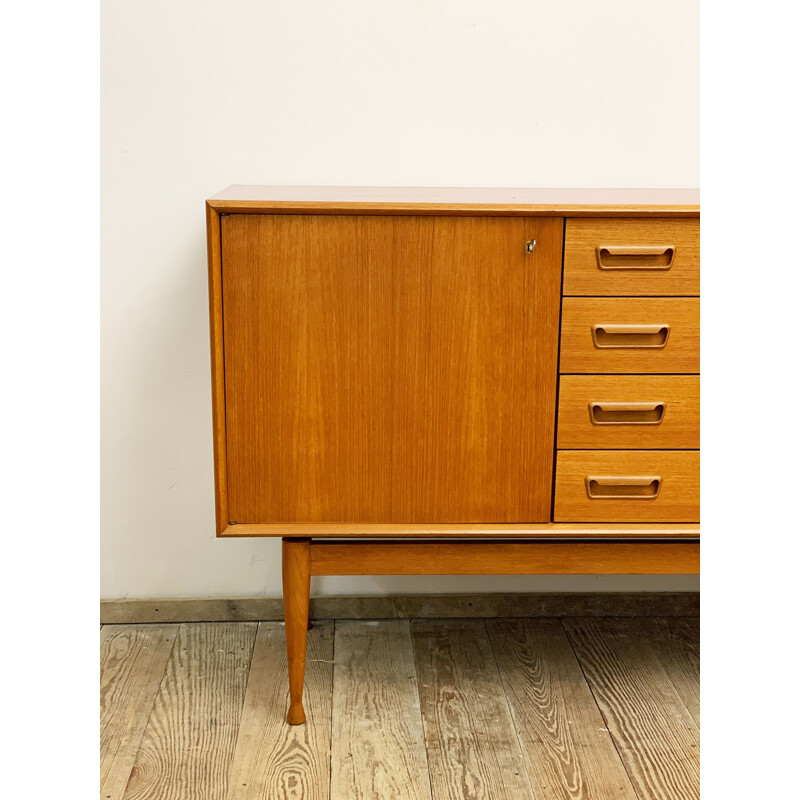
530,246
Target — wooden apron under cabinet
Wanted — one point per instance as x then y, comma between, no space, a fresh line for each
455,381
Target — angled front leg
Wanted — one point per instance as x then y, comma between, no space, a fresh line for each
296,589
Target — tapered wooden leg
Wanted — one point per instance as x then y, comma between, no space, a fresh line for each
296,589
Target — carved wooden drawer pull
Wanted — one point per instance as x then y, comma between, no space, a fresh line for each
652,337
626,413
607,487
610,257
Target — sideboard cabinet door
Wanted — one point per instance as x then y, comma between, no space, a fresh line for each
390,369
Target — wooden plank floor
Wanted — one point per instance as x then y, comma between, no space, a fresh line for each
572,709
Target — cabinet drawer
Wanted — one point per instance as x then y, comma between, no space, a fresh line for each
627,486
628,412
632,257
633,335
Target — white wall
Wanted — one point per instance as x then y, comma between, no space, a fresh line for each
199,94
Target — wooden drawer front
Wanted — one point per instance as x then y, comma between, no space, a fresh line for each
609,412
625,334
627,486
632,257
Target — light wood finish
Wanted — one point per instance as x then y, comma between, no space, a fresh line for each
389,369
132,663
307,355
476,354
678,428
504,558
189,741
457,201
472,747
568,751
378,747
565,752
644,713
678,497
217,366
296,587
536,530
681,352
405,606
385,364
634,274
275,761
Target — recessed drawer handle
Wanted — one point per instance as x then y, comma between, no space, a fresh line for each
606,487
626,413
644,336
611,257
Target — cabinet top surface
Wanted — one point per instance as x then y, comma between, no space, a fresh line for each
481,201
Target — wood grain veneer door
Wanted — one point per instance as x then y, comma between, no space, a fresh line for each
390,369
476,343
307,307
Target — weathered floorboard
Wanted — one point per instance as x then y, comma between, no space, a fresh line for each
676,642
504,706
378,750
473,750
132,663
274,760
567,749
656,736
189,741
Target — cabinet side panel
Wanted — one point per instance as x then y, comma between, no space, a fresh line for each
307,306
215,327
475,362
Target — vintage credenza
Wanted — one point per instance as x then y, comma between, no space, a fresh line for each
455,381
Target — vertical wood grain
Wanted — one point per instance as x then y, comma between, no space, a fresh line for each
273,760
213,233
378,743
476,327
567,750
386,369
187,746
473,750
308,359
656,736
543,270
132,663
296,586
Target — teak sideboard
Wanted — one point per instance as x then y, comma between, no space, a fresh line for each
455,381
